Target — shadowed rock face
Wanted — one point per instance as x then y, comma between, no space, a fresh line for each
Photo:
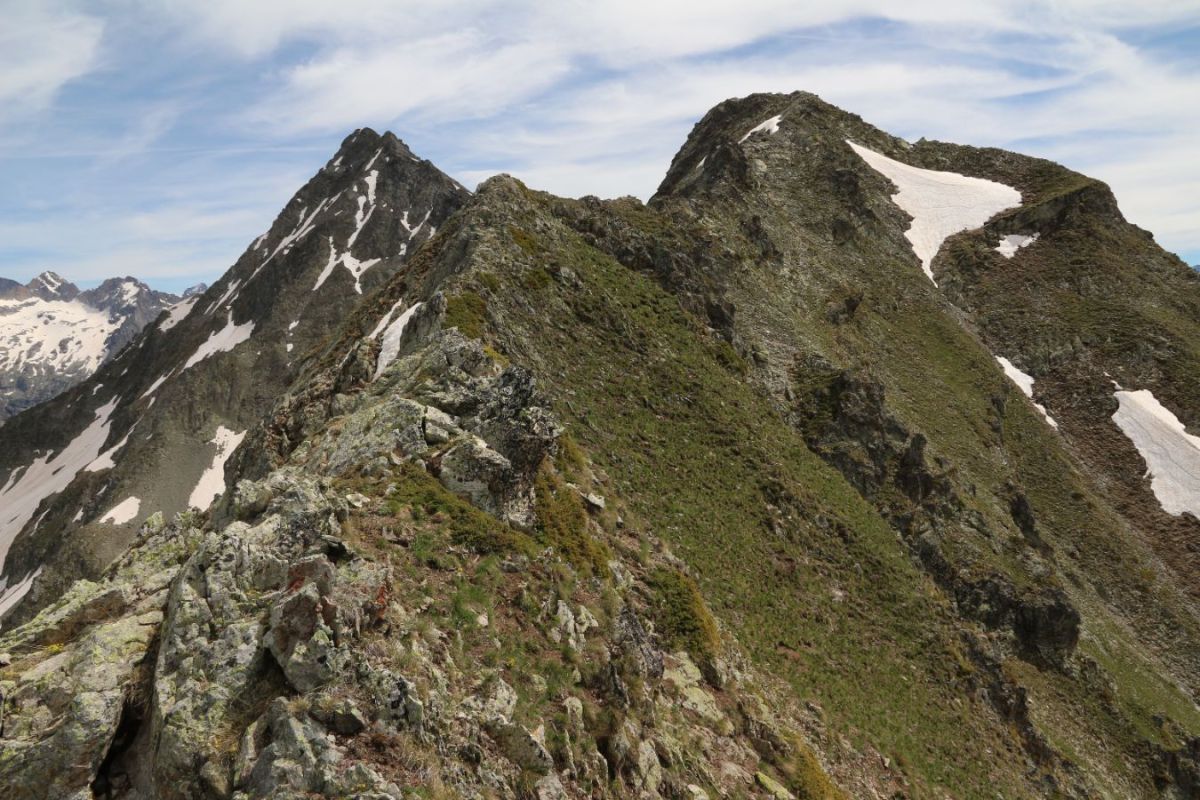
715,496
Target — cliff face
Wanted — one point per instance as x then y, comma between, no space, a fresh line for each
809,478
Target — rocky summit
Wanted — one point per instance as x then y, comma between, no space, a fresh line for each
52,336
844,467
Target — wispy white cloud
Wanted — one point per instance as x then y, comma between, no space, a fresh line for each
450,76
41,49
195,102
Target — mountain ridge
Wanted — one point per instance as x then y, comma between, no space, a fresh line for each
730,493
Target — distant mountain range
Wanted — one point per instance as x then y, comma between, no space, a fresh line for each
52,335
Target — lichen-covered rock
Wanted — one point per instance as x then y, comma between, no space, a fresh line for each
61,716
519,746
75,666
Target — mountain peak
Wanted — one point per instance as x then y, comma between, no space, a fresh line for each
361,150
724,147
52,286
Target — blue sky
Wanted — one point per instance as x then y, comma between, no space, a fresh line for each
158,138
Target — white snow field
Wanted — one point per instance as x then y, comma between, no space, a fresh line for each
10,596
177,313
105,459
212,480
1009,245
24,492
390,347
221,341
1172,454
53,336
940,203
1024,382
122,512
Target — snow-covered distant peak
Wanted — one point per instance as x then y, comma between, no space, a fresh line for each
51,286
130,291
40,338
941,204
52,335
50,281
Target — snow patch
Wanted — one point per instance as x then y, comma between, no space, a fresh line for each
1009,245
769,126
1172,454
177,313
9,597
212,481
129,292
371,163
221,341
1024,382
385,319
50,281
303,228
228,291
366,208
940,203
20,498
105,459
154,386
123,511
390,347
414,231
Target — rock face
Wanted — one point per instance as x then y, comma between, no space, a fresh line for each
52,336
285,650
727,494
166,413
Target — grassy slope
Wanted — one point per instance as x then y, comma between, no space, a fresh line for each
940,381
802,570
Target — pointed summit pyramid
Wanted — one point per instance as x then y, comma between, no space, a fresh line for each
151,429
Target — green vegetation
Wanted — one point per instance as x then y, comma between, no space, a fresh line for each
683,620
524,240
562,523
467,311
468,526
536,279
804,775
701,456
488,280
